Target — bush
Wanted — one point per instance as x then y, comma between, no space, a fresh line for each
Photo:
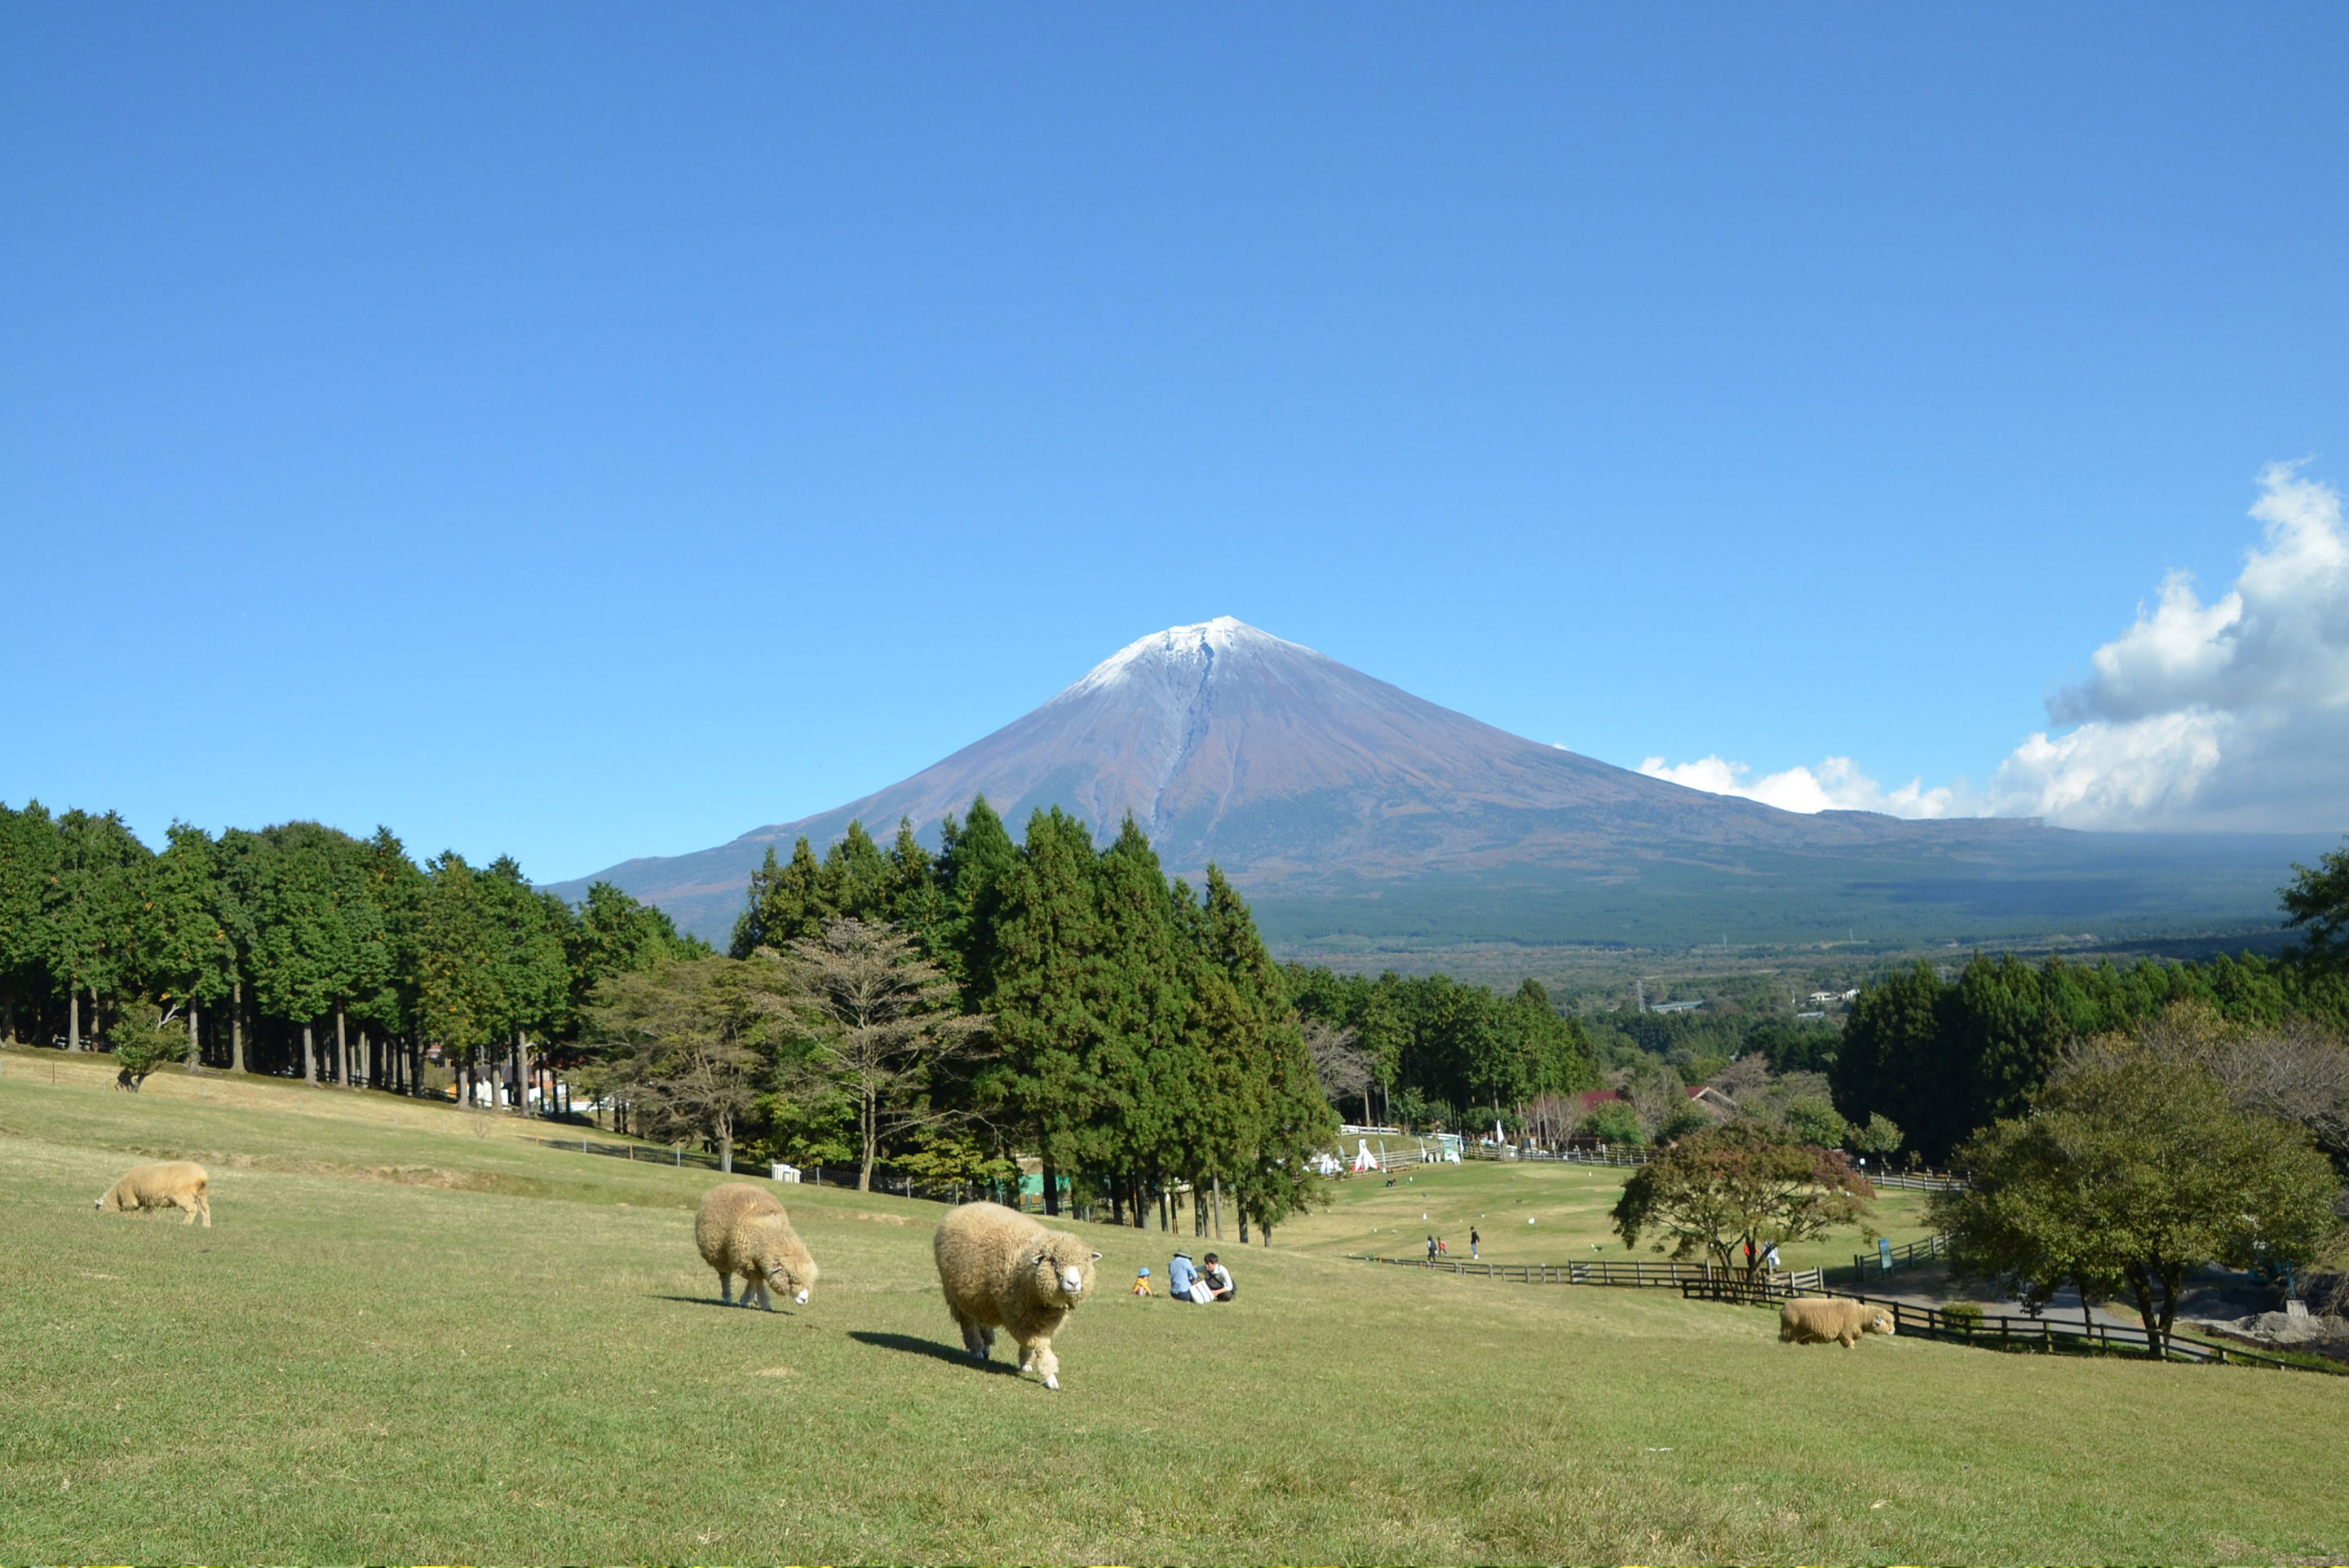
146,1038
1613,1123
1963,1315
1813,1119
1683,1122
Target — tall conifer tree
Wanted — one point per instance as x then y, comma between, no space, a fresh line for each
1047,953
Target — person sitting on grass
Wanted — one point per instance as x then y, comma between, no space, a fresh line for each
1180,1276
1142,1281
1220,1279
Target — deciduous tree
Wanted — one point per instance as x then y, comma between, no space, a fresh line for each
2133,1170
1736,1184
689,1041
881,1024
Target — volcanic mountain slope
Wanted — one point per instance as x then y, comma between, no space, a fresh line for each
1315,785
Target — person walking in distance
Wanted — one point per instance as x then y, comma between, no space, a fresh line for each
1475,1240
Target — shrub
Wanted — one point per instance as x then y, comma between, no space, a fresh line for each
1613,1123
145,1038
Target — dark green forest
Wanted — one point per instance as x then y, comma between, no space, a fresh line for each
302,951
1944,1056
1129,1033
1141,1036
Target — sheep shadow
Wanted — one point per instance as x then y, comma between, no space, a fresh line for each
936,1350
713,1301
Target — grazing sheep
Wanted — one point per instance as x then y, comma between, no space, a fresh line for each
742,1230
1000,1269
1812,1320
174,1184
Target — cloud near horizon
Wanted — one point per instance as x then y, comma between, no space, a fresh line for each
2231,715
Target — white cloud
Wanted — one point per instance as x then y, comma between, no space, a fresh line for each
2228,715
2233,713
1836,784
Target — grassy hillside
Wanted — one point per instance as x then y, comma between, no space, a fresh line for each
409,1343
1567,1208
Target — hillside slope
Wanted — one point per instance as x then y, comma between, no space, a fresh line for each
400,1343
1348,805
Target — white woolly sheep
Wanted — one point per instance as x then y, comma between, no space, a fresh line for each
1812,1320
174,1184
742,1229
999,1269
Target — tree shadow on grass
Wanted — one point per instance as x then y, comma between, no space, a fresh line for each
936,1350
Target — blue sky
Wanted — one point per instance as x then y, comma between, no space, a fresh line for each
589,431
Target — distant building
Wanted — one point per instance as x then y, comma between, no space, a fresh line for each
1673,1006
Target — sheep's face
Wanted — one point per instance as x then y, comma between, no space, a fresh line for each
1880,1322
785,1280
1064,1270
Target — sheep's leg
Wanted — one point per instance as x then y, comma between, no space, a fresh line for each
726,1289
1048,1365
978,1341
766,1300
189,1204
204,1206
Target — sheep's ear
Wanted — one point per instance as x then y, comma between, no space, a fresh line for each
1096,1257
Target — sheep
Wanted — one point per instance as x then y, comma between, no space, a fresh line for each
1814,1320
742,1230
176,1184
999,1269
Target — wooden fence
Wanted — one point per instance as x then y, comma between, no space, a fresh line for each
1636,1273
1926,1181
1904,1257
890,1182
2043,1334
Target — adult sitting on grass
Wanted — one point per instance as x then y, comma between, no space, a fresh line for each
1181,1278
1218,1279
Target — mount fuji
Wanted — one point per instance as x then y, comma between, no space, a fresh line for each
1352,812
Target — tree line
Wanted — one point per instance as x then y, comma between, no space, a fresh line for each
1434,1052
1139,1041
1943,1057
300,950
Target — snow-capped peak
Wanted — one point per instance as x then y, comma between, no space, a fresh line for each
1175,648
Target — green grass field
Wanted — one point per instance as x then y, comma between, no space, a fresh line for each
1568,1207
413,1344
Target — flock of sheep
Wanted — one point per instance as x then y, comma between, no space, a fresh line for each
998,1268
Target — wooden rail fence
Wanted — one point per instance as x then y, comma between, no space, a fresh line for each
2043,1334
1635,1274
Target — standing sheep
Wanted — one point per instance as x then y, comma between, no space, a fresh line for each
999,1269
742,1230
174,1184
1812,1320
